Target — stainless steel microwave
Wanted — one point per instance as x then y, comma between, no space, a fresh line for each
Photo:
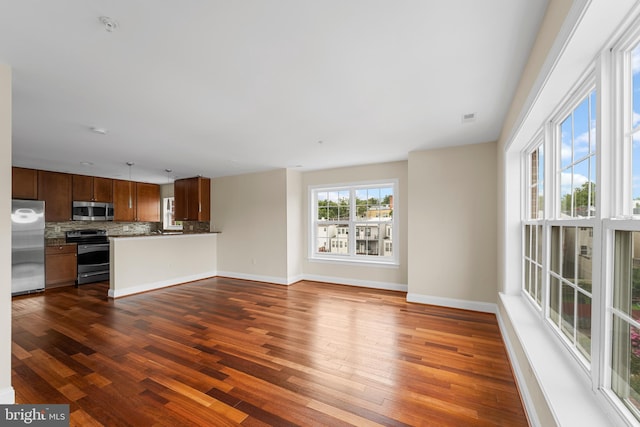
92,211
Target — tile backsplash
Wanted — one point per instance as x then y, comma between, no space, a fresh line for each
56,230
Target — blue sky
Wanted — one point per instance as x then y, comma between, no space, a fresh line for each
635,161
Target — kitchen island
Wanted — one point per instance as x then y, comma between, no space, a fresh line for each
144,263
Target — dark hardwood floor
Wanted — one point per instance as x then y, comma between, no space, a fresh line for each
230,352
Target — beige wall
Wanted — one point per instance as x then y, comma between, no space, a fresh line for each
295,226
452,223
6,391
250,211
168,260
391,277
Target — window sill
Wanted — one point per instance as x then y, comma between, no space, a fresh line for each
356,262
564,386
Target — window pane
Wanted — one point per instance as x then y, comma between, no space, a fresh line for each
527,276
592,125
581,122
565,192
585,245
540,245
568,252
581,189
578,165
625,363
566,134
635,83
556,250
635,165
538,289
527,241
540,174
568,310
554,300
583,335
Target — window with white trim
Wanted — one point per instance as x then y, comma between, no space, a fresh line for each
354,222
582,238
168,215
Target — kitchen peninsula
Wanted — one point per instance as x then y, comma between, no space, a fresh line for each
144,263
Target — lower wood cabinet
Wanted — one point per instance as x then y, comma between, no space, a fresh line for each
61,266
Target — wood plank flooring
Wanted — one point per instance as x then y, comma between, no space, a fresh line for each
221,352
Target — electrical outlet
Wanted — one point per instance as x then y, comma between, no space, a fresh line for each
56,228
125,228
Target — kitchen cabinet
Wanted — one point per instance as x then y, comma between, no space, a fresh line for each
61,267
24,183
92,189
123,200
192,199
136,201
55,188
147,202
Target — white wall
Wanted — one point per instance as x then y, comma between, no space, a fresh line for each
452,223
250,211
168,260
366,275
7,394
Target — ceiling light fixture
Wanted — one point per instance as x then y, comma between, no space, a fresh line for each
110,25
168,171
130,199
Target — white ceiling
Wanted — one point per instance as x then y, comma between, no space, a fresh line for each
214,88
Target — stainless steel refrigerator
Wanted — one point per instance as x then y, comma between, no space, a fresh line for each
27,246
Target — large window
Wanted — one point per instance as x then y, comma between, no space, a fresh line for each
580,213
354,222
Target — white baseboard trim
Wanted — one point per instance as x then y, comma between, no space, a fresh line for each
355,282
7,396
145,287
255,277
485,307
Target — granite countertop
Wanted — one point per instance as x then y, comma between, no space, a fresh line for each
166,233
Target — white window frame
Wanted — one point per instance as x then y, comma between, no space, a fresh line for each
166,225
351,256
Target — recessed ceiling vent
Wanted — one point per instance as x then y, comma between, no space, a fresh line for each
469,117
110,25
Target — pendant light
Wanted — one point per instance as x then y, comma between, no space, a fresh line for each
130,195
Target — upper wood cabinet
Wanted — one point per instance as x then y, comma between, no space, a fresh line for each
123,200
55,188
92,189
192,199
136,201
147,202
24,183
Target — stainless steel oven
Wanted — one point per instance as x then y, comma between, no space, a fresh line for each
93,254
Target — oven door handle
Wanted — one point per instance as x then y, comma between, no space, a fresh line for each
93,247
